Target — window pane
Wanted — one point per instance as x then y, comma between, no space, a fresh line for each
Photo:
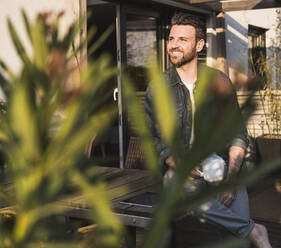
141,38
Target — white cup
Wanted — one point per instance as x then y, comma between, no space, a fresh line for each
213,168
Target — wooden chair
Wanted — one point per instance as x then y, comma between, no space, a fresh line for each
134,158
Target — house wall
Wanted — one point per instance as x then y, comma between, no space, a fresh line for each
267,105
237,36
237,58
12,9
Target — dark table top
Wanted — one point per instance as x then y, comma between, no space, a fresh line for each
122,185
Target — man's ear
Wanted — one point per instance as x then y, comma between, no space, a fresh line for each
199,45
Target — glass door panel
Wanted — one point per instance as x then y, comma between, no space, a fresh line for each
105,148
141,44
135,39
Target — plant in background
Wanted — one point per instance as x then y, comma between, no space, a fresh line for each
272,111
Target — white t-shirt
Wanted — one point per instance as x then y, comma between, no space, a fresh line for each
190,87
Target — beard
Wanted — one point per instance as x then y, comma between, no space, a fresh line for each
184,59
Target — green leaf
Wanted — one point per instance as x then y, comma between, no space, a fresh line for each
217,119
27,24
17,43
108,225
3,136
163,104
83,43
5,85
100,40
63,151
23,122
137,116
55,32
40,50
69,37
29,217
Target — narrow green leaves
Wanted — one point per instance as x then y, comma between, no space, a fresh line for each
23,122
101,40
69,37
108,225
17,43
137,116
40,52
27,24
5,85
163,103
42,151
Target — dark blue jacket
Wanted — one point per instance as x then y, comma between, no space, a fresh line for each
184,111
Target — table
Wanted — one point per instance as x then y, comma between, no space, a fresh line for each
137,183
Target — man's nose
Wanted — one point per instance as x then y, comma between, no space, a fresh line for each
174,43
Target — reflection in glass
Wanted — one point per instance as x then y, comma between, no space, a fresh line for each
141,37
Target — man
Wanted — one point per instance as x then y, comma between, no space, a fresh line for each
230,209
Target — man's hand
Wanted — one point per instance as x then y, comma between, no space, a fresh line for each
195,174
170,162
226,198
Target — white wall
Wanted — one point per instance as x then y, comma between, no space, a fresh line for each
237,35
237,54
12,9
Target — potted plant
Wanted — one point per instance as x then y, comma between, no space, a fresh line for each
269,143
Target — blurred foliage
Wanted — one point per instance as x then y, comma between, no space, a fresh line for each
49,119
54,107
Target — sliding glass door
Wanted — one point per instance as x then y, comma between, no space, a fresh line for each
136,38
102,15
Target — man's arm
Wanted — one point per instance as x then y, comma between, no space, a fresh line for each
161,148
236,156
170,162
195,174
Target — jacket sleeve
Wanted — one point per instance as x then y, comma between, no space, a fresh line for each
163,151
241,138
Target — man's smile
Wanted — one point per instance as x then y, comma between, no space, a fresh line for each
176,53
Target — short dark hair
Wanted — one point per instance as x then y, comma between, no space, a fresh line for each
181,18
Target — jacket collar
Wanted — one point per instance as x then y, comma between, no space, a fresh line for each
173,77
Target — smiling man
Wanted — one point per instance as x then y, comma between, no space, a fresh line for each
230,210
182,46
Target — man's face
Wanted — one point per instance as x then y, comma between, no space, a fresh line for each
181,46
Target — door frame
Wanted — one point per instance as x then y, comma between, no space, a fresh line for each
121,27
